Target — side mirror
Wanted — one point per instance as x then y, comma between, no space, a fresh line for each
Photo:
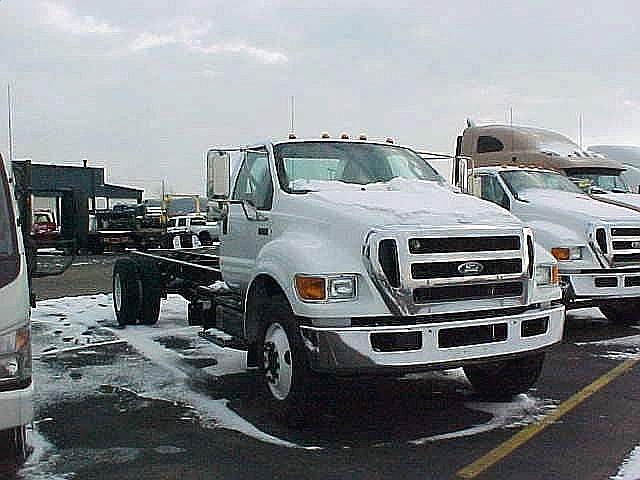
218,174
504,202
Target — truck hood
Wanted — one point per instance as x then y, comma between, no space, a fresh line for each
624,199
558,205
412,203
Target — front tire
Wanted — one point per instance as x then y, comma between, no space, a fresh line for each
126,292
506,378
286,373
624,313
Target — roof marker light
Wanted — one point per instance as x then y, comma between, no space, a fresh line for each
389,140
362,136
292,136
324,135
344,136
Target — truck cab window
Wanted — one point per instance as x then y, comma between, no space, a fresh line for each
254,181
492,191
488,144
182,222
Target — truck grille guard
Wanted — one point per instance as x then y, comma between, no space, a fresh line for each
422,271
615,245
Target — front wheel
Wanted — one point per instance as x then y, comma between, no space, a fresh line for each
623,313
286,373
505,378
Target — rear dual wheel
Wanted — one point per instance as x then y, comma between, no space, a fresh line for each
136,295
16,450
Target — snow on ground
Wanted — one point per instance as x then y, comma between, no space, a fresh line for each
630,468
87,325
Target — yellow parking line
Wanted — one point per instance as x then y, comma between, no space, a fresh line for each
523,436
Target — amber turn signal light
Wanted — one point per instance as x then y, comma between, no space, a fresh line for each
311,288
560,253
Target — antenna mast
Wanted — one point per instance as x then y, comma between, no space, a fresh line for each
10,126
293,107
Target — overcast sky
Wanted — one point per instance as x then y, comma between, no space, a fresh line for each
144,87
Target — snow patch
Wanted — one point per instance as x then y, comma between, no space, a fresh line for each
630,468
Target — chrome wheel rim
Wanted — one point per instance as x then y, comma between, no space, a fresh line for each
277,361
117,292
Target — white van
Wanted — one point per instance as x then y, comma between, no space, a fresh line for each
16,390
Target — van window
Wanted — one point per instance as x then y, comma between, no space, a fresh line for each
254,180
182,222
9,263
487,144
172,223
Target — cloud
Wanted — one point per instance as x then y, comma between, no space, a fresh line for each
189,35
61,18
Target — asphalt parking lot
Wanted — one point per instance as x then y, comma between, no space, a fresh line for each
160,402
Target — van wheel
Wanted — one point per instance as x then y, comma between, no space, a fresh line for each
151,295
502,380
285,367
126,292
626,313
16,441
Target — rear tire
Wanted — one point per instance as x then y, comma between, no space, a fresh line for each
287,377
126,292
506,378
624,313
16,441
151,295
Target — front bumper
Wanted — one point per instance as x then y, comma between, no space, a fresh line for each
16,408
351,350
600,285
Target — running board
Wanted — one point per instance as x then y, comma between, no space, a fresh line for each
222,339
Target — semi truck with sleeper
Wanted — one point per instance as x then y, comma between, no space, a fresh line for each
353,257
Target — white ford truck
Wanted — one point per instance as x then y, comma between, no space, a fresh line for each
351,257
597,244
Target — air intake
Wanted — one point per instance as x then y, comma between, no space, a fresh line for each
601,239
531,252
388,258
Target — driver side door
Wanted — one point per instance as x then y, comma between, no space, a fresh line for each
243,234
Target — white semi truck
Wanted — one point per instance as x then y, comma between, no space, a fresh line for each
352,257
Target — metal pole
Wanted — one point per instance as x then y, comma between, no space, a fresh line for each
292,113
580,121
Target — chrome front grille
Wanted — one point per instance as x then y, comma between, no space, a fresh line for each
450,269
625,245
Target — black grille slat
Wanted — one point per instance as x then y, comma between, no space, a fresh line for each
627,245
632,282
626,258
420,271
625,232
451,293
477,335
463,244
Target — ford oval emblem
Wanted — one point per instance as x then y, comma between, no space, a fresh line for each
470,268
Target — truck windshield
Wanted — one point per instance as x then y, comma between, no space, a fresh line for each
310,166
608,182
520,180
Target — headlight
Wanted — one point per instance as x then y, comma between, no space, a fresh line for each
567,253
15,359
546,275
319,288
